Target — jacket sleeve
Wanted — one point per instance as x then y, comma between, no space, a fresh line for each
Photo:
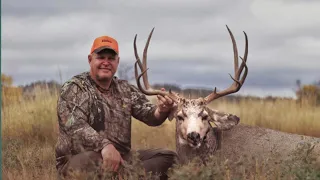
73,107
142,109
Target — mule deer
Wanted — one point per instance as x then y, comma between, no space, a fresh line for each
195,137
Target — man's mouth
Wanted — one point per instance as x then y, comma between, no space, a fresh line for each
105,69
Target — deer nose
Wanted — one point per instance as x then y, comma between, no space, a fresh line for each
194,136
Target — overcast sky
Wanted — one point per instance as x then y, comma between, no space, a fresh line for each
190,45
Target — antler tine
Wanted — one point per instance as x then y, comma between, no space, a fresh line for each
137,58
144,60
151,92
244,59
238,71
237,84
235,50
143,68
143,65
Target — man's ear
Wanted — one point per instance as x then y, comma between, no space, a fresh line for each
222,120
89,58
117,61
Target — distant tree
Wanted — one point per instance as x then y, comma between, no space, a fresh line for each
298,91
124,71
308,94
167,86
6,81
10,93
298,83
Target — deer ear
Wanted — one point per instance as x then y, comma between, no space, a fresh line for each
172,113
223,121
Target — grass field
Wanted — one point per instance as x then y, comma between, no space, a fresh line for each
29,131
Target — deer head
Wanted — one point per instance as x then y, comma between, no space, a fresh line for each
193,116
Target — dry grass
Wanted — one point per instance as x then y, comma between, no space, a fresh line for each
29,132
283,115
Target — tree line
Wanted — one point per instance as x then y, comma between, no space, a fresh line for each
307,94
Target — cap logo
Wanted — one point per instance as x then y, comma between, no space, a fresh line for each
106,40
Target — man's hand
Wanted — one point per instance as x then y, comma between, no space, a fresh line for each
164,103
111,158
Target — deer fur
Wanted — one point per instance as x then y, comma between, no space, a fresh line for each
262,143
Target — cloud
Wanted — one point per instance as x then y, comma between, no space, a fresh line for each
190,44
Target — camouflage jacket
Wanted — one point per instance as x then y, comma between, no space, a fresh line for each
90,117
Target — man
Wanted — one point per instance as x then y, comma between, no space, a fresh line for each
94,113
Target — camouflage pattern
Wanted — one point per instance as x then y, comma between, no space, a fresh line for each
91,117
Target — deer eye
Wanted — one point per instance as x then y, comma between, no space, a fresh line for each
205,117
180,118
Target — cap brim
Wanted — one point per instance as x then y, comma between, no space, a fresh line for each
98,50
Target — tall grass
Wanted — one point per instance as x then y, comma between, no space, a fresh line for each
29,130
283,115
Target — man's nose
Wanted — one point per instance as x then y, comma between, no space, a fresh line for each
106,62
194,136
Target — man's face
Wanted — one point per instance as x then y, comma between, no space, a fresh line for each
104,64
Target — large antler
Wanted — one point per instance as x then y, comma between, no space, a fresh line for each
237,84
143,67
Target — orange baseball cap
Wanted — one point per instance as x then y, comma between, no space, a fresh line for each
104,42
